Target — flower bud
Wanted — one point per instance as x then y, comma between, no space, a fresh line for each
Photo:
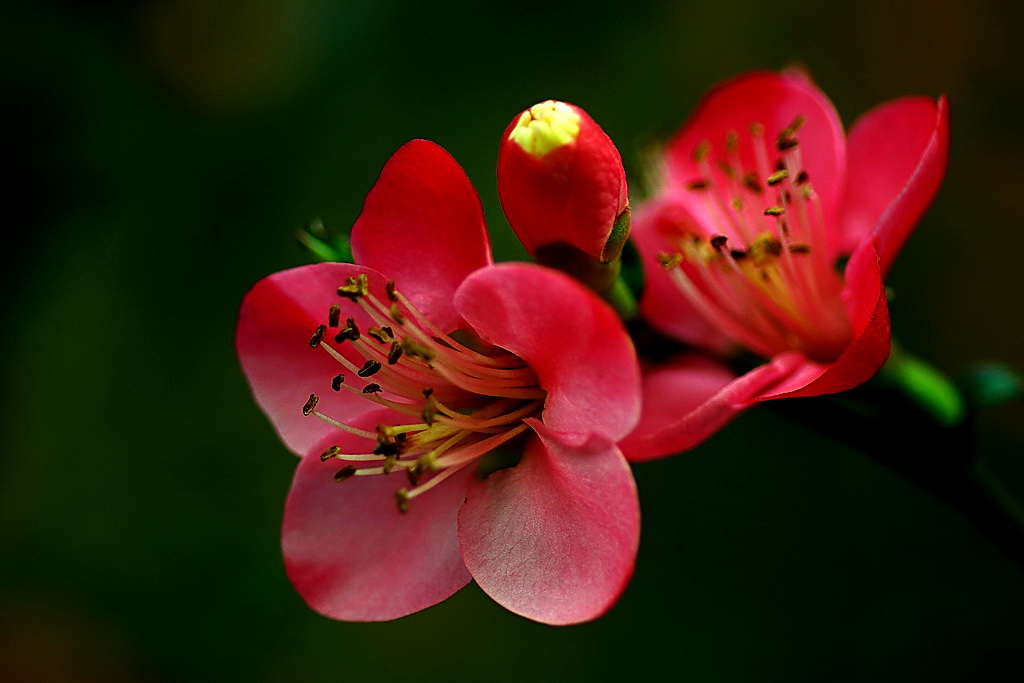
560,179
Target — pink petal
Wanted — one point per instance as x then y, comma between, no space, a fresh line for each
422,225
656,229
349,552
866,304
277,319
773,100
554,538
898,154
572,340
690,398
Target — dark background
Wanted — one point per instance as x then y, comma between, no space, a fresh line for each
159,156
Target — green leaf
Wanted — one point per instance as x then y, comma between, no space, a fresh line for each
324,244
929,388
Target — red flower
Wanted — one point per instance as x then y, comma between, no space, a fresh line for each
763,202
430,366
560,179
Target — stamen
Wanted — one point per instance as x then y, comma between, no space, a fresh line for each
345,472
380,335
354,287
334,315
310,404
331,452
337,382
318,336
372,388
750,182
370,367
394,353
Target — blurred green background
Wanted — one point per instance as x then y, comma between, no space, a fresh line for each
160,155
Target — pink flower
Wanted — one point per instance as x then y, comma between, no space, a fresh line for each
561,181
763,200
430,374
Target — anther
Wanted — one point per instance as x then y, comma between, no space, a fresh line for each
785,143
334,315
310,405
372,388
414,349
774,211
344,473
802,177
389,289
318,336
726,168
698,184
701,151
386,434
719,241
778,177
738,254
669,261
370,367
354,287
402,498
413,473
792,128
750,182
429,410
395,353
732,142
799,249
386,449
329,453
349,332
337,382
379,334
396,314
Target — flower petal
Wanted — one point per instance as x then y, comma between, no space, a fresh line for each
866,304
422,224
897,158
349,552
572,340
690,398
773,100
554,538
277,319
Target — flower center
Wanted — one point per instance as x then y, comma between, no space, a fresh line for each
462,397
545,127
762,272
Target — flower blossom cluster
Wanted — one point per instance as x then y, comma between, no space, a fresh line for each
461,420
